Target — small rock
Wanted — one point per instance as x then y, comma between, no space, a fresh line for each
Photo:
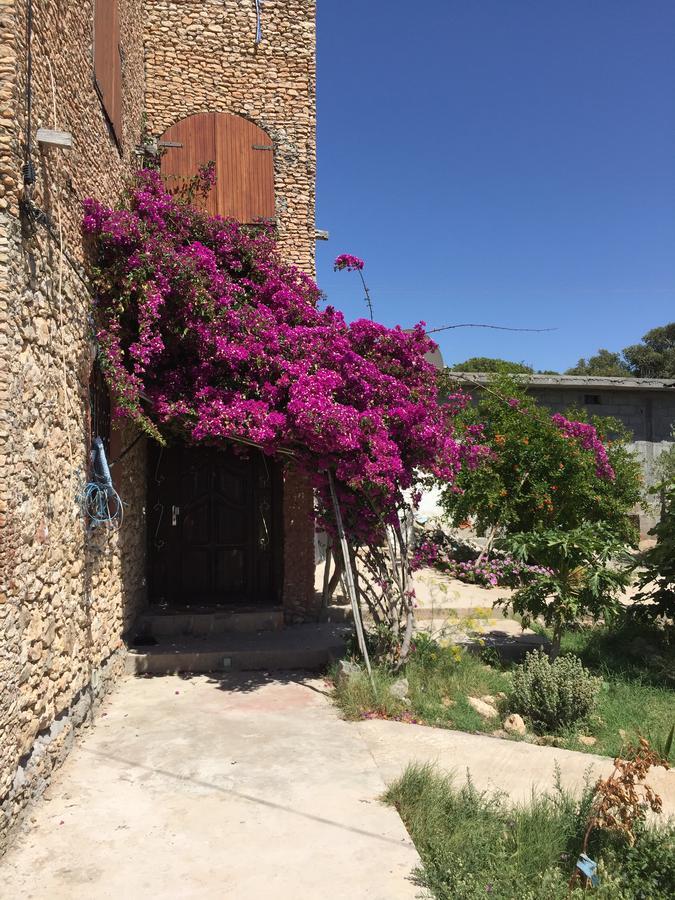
514,724
500,733
587,740
500,695
546,740
489,699
399,689
482,708
447,702
346,672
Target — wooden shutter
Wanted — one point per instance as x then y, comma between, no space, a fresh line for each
242,152
107,63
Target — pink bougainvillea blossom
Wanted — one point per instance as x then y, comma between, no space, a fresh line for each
348,262
205,334
587,436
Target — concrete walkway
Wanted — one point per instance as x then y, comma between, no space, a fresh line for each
206,787
514,767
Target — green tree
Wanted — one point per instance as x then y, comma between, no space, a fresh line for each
654,357
604,363
488,364
536,476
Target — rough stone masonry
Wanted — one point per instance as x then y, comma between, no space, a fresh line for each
69,595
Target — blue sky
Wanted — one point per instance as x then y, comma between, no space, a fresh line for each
501,161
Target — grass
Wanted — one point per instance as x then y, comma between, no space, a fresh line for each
474,845
637,666
440,679
637,695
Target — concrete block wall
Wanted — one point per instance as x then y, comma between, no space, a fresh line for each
648,414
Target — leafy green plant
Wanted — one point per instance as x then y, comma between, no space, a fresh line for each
663,744
657,567
553,695
475,845
544,471
646,870
581,580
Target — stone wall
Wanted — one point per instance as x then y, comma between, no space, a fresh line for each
201,56
66,593
69,594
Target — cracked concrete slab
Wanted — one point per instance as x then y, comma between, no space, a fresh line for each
208,787
516,768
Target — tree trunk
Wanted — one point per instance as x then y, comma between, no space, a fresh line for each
325,596
555,642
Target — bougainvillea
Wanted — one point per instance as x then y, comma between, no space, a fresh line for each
494,571
348,262
206,335
587,436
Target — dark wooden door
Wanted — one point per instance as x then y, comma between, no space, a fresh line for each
212,529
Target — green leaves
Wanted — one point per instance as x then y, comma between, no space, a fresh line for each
582,580
537,475
657,566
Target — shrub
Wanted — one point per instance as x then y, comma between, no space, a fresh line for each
646,870
498,570
577,579
553,694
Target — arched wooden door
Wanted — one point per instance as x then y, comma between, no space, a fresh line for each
244,159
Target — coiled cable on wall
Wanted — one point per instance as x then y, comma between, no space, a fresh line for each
100,502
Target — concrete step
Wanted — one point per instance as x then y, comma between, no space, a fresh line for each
206,623
296,647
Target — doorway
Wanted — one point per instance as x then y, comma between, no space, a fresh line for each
214,535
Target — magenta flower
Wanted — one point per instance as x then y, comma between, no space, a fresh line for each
348,262
588,438
205,333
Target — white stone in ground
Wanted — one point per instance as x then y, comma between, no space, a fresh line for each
399,689
514,724
486,710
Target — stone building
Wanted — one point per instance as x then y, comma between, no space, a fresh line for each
113,78
645,406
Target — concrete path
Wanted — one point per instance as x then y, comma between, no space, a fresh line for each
514,767
206,787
